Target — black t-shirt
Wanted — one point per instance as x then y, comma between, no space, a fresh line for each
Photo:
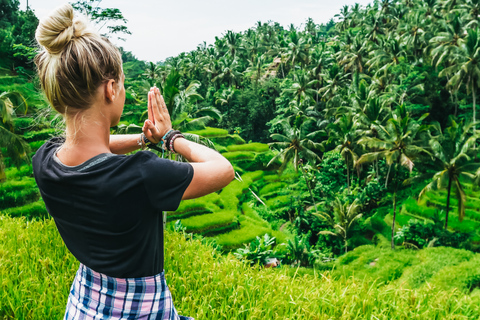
108,209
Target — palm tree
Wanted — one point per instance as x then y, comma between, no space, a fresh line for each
296,144
399,144
453,164
470,11
466,67
152,73
343,134
353,58
11,104
335,80
341,216
302,88
389,53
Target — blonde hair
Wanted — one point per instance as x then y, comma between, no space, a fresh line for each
74,60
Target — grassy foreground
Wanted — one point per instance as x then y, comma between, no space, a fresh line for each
36,271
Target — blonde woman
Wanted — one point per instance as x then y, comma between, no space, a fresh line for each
107,205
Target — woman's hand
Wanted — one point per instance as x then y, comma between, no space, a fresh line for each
158,122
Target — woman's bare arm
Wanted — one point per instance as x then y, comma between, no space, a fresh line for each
124,143
211,171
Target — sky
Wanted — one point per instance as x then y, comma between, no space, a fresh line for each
162,29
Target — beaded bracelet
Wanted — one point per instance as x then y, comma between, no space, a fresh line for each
170,145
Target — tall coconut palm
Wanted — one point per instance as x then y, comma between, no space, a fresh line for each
399,144
466,67
12,104
453,164
343,134
295,145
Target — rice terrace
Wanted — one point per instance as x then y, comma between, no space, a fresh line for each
356,149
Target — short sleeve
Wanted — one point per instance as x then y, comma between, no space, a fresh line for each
165,181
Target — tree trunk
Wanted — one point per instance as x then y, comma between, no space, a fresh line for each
348,172
394,215
346,243
474,118
388,174
448,201
309,189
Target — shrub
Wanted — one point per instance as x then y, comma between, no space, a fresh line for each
423,234
14,173
35,145
257,251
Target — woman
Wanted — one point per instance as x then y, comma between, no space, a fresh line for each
108,206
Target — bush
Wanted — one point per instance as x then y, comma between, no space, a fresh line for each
35,145
422,234
14,173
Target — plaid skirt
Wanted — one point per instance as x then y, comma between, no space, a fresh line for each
94,295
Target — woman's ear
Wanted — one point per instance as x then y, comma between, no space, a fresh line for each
110,90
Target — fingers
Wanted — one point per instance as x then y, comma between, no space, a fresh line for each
150,110
153,101
150,131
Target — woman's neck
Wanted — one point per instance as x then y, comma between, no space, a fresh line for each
87,135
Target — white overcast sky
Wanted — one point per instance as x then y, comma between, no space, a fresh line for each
161,29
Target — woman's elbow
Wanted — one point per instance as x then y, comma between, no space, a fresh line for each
229,173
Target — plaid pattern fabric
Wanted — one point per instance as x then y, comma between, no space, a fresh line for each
94,295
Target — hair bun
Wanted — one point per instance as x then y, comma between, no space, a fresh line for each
80,27
55,31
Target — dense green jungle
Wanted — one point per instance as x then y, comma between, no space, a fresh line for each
355,145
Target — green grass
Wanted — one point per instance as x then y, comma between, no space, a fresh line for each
210,132
206,222
272,187
37,270
238,155
34,210
278,202
248,231
41,135
252,147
